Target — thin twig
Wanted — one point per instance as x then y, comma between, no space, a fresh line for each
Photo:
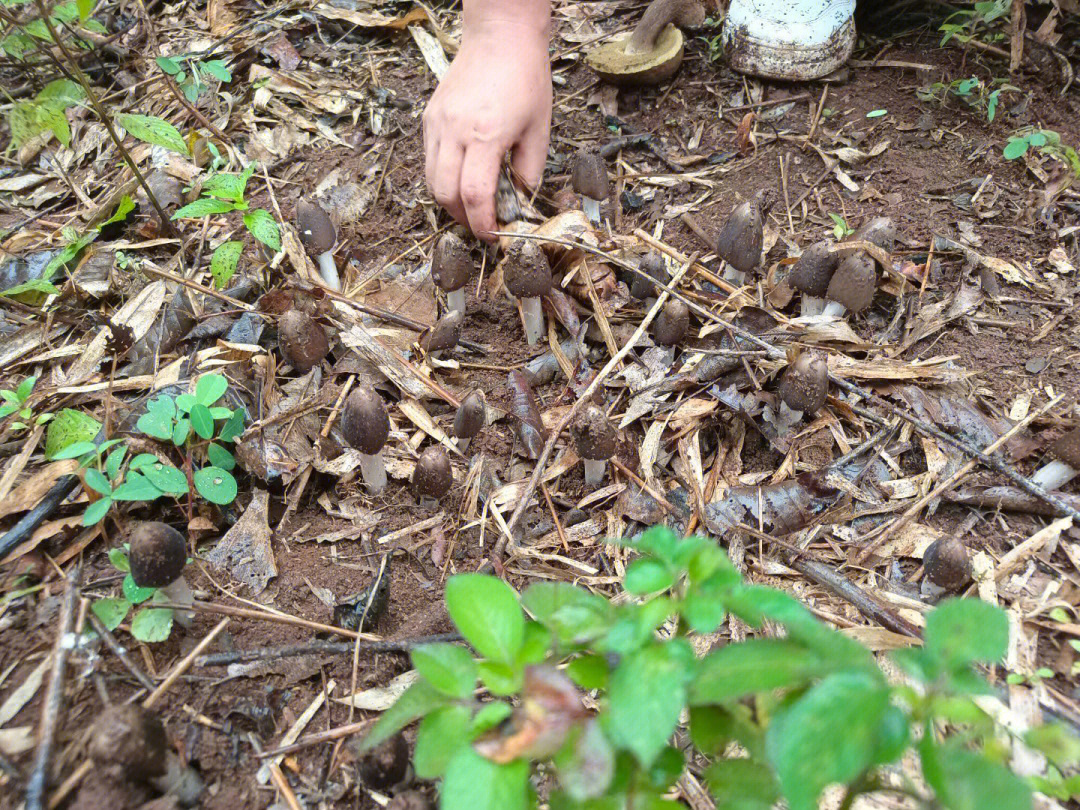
119,651
277,618
330,735
319,648
184,664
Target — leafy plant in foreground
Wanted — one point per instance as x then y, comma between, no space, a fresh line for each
806,708
1046,141
149,624
15,401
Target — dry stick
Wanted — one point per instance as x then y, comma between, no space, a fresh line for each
120,652
54,697
106,119
330,735
586,395
243,613
651,490
320,648
945,486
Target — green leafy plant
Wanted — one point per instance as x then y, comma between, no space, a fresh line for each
192,75
149,624
840,227
805,707
965,24
23,41
223,194
15,402
1046,141
973,91
46,112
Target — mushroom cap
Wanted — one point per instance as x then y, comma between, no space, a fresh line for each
526,271
432,476
450,263
445,334
594,436
805,383
653,51
880,231
671,324
947,563
302,341
854,282
157,554
471,416
652,264
814,270
317,232
364,423
386,764
1067,448
741,239
590,177
133,738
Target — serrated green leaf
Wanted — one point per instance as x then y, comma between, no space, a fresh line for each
215,484
153,130
226,186
126,206
573,614
111,612
441,735
224,261
201,421
152,625
589,671
489,716
755,665
486,611
499,678
23,122
54,119
205,206
648,576
262,225
70,426
447,667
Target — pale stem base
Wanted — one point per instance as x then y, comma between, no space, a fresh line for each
373,470
835,308
328,271
455,301
733,276
179,592
594,471
811,305
179,780
532,314
591,208
463,444
1054,475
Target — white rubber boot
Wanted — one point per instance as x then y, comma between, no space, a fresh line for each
794,40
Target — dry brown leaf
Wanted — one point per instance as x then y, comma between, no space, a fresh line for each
370,19
744,134
30,491
245,549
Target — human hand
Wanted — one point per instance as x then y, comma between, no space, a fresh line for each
495,98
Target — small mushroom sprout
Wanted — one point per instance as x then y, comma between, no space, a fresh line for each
157,555
652,264
385,765
451,268
595,439
741,239
947,566
590,180
527,275
805,383
318,235
469,419
653,51
852,286
811,276
445,334
302,341
432,477
671,324
366,427
1065,466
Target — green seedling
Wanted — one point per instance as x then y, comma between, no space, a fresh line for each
804,707
966,24
1046,142
15,402
194,76
973,91
840,227
149,624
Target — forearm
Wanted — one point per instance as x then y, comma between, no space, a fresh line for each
534,15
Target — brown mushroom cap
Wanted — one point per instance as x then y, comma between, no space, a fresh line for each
947,563
653,52
594,436
302,341
157,554
854,282
814,270
526,271
450,263
805,383
364,423
386,764
653,264
1067,448
590,176
131,737
445,334
671,324
470,417
741,239
880,231
432,477
317,232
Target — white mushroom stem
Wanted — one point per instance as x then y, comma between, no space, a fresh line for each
733,276
931,591
594,471
835,308
1054,475
328,271
463,444
532,315
179,592
373,470
591,208
455,300
179,780
812,305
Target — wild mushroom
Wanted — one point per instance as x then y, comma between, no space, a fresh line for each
1066,464
880,231
302,341
432,477
653,265
317,233
590,180
653,51
157,554
445,334
527,276
366,426
811,276
595,439
469,419
386,764
851,288
946,564
740,241
451,268
805,383
671,324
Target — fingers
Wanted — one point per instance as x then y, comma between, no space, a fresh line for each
479,178
530,154
444,177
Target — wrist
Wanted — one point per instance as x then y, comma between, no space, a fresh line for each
528,19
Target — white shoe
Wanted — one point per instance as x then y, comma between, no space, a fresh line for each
803,39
